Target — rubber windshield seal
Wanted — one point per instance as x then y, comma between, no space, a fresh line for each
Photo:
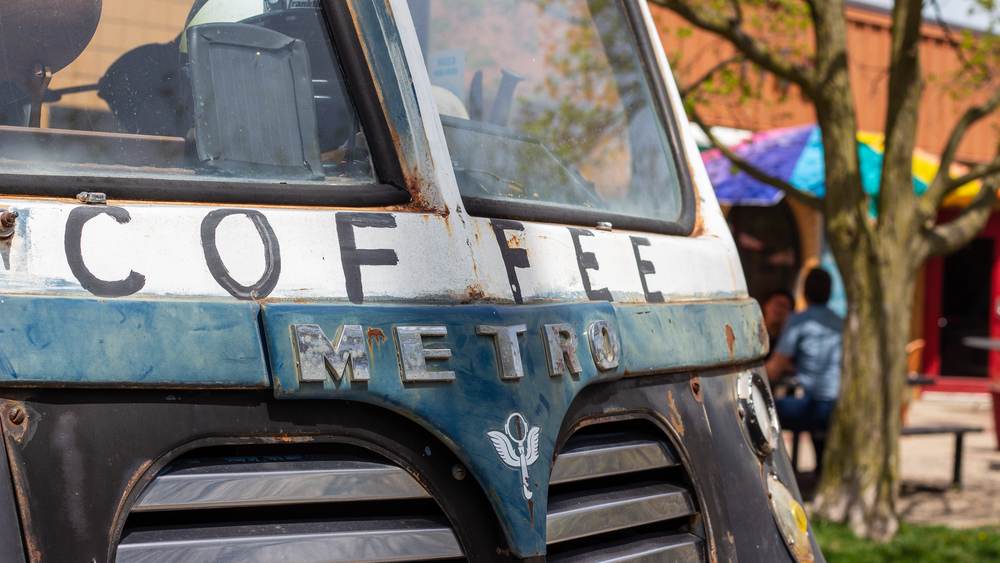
208,190
363,91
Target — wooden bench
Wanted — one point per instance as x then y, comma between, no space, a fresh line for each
958,431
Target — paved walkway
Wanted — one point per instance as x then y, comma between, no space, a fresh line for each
926,497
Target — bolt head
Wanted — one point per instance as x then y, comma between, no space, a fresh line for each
458,472
16,415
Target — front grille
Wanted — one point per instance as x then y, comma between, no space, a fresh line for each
309,506
618,492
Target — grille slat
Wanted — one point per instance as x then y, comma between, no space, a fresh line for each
620,494
682,548
602,456
608,510
270,483
339,505
303,543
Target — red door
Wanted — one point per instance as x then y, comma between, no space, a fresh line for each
963,300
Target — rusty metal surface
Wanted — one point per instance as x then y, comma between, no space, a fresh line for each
79,458
11,544
742,481
708,437
76,454
666,400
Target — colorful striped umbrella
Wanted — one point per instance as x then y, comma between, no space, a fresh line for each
795,154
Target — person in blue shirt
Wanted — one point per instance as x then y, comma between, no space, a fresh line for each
810,347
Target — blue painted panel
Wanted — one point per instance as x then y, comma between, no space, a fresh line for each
654,338
657,338
461,412
65,341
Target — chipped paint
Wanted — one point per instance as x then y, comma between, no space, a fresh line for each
675,417
730,340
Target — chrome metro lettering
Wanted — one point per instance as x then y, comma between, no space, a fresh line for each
317,357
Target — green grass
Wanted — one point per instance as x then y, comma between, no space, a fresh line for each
913,544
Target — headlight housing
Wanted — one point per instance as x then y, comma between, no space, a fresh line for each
755,408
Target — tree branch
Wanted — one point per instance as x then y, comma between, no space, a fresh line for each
730,29
942,182
687,89
977,172
948,34
807,198
948,237
737,12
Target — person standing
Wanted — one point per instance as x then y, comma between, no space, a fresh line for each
810,346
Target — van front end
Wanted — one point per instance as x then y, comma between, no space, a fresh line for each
395,432
358,281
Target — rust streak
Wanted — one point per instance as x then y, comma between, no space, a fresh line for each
730,340
376,336
699,226
699,220
675,417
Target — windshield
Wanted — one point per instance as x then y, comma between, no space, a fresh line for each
177,89
547,101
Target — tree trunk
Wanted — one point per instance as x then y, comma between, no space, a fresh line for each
878,259
860,482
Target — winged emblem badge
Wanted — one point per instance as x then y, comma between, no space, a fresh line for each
517,432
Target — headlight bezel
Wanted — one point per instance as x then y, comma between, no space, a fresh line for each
755,408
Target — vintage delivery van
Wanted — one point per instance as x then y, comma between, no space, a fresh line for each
370,280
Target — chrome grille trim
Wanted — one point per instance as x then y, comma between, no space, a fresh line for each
596,512
340,506
271,483
414,542
619,493
681,548
602,456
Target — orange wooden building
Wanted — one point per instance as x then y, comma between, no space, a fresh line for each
958,296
